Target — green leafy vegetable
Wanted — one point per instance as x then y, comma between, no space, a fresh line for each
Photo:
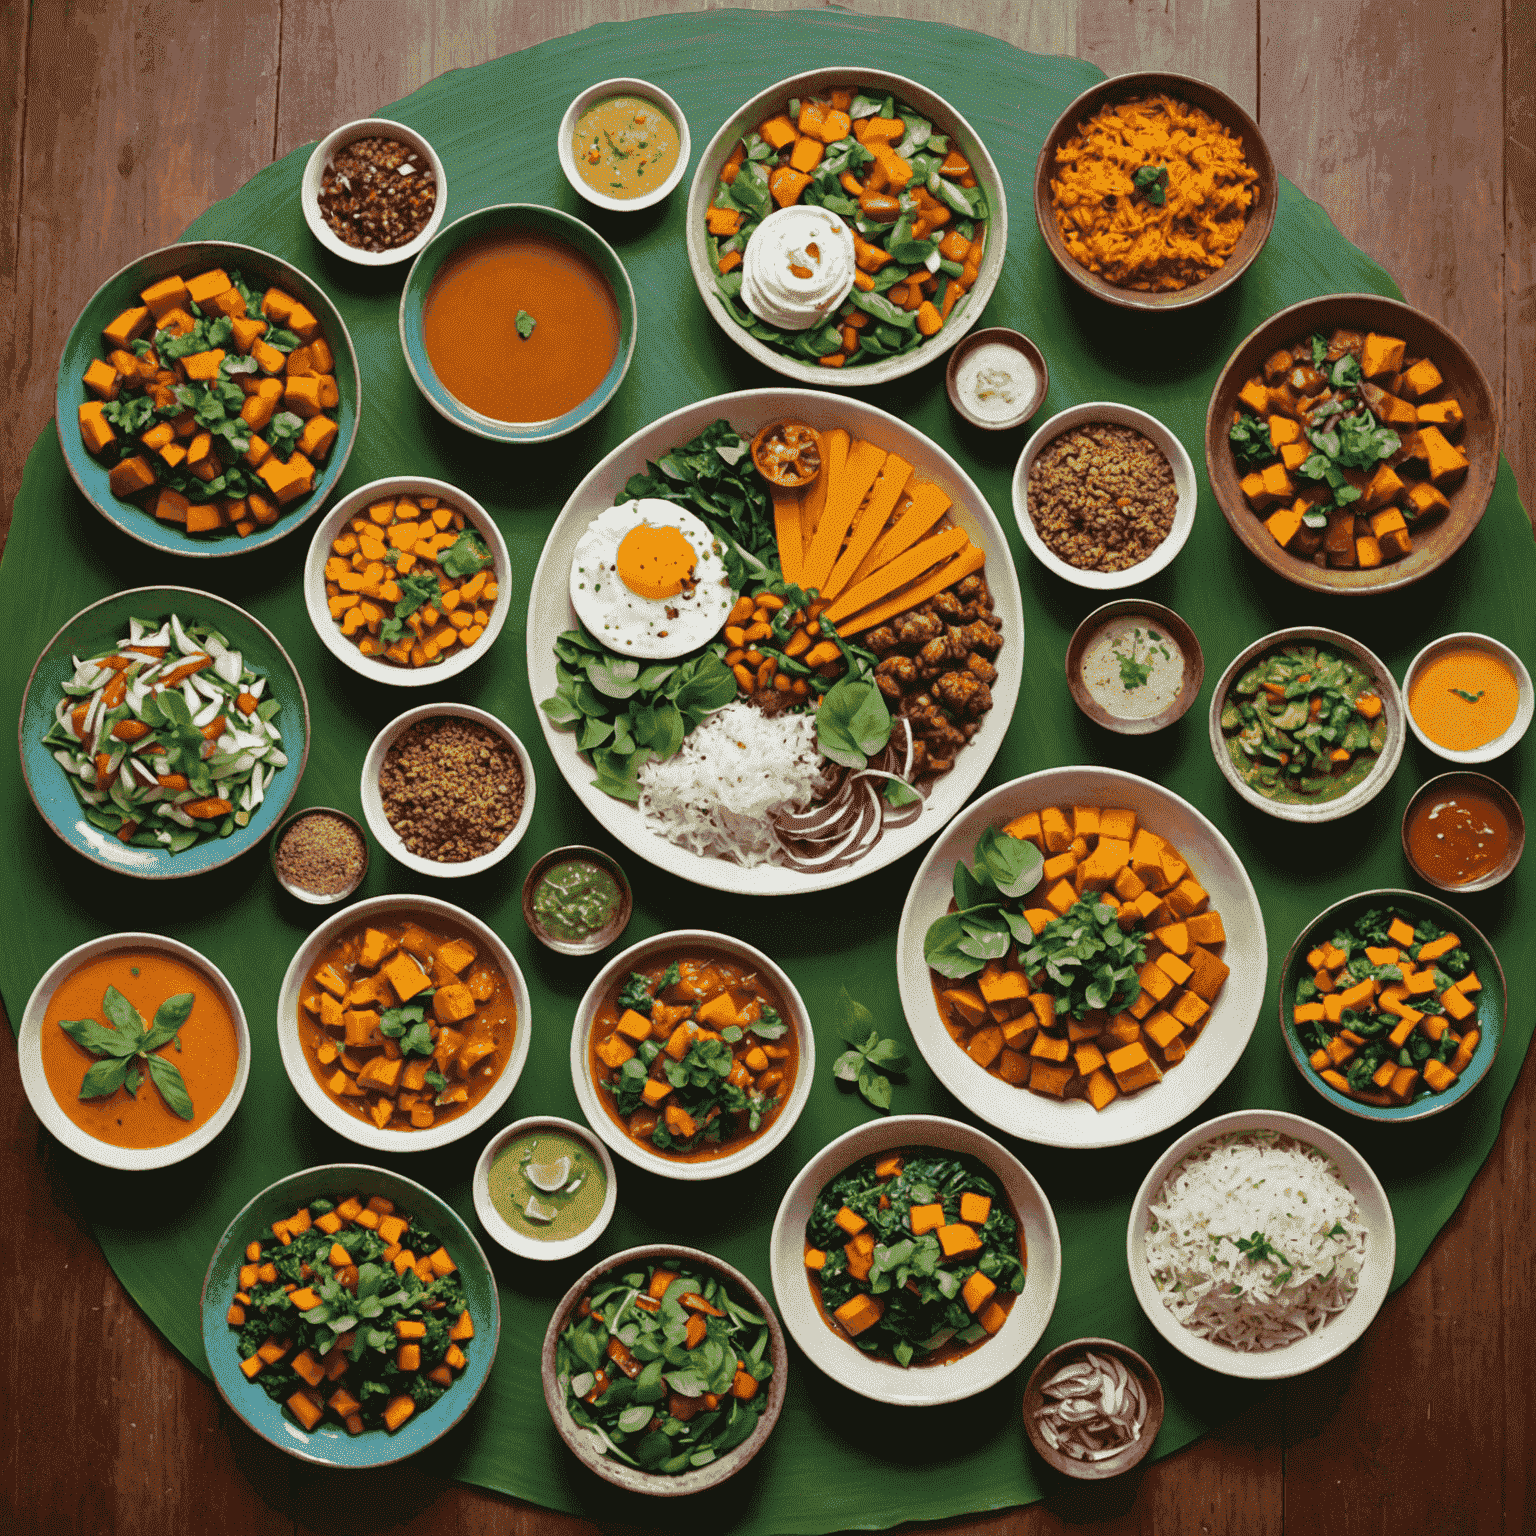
525,324
988,915
466,555
1092,960
871,1055
1251,447
127,1043
1151,181
853,723
1471,698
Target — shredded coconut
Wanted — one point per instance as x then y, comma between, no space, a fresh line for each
714,794
1255,1241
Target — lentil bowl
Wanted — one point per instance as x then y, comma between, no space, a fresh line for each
476,781
1087,532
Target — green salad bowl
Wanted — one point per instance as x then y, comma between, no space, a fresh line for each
329,1444
99,628
1490,1001
513,220
121,291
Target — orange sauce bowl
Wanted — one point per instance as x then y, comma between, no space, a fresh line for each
1439,711
127,1131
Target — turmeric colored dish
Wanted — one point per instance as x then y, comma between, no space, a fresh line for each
1152,194
915,1255
215,405
1094,952
353,1312
692,1055
409,579
1346,444
405,1023
876,172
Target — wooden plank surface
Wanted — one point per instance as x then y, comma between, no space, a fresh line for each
1414,126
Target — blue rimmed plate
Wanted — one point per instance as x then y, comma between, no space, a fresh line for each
517,219
121,291
99,628
329,1444
1488,1017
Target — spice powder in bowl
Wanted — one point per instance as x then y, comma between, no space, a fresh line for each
320,856
1102,497
452,789
377,194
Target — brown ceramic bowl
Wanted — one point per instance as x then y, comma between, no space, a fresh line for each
600,938
1124,1459
1170,624
1479,440
634,1479
1026,405
1450,783
1197,93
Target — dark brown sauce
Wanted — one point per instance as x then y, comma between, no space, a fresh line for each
1458,837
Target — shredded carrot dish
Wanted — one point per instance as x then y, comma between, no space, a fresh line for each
1152,194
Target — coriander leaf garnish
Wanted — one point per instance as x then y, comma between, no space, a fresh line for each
1151,181
871,1056
466,555
1471,698
127,1043
525,324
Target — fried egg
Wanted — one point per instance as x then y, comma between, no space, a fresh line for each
647,580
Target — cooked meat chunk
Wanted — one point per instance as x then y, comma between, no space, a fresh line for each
979,636
880,639
978,666
915,629
963,694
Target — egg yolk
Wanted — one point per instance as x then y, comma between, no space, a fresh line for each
655,562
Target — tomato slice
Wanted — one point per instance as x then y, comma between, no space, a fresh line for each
787,454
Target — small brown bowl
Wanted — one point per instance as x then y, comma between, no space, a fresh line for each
1440,538
1033,357
1177,630
1127,1457
635,1479
1450,783
301,893
600,938
1197,93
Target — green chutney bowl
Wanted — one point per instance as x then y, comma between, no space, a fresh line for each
529,219
99,628
329,1444
260,270
1488,1016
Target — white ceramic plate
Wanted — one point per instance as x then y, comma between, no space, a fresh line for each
884,1380
35,1081
589,1095
498,1227
363,1132
1074,1122
373,802
336,521
1183,479
550,613
1335,1336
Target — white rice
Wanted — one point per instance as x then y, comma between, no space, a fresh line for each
1257,1182
713,795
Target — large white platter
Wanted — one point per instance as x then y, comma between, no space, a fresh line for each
1074,1122
550,612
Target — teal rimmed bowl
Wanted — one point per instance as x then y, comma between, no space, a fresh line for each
120,292
100,627
329,1444
1491,1002
525,218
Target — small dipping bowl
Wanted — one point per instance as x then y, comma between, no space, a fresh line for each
499,1228
304,893
1168,625
314,177
1449,785
1129,1454
622,85
1471,641
959,379
599,938
373,800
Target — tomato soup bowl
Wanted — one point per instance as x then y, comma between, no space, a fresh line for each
35,1077
329,1445
1496,651
591,1097
296,1061
338,521
916,1386
592,256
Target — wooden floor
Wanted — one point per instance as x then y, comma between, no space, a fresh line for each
1414,125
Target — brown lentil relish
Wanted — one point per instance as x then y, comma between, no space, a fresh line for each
452,789
377,194
322,854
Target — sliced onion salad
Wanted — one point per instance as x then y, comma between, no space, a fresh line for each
1094,1407
167,738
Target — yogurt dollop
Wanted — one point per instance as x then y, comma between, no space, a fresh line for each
798,267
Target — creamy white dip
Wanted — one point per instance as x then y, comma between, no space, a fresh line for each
798,267
1132,668
996,381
